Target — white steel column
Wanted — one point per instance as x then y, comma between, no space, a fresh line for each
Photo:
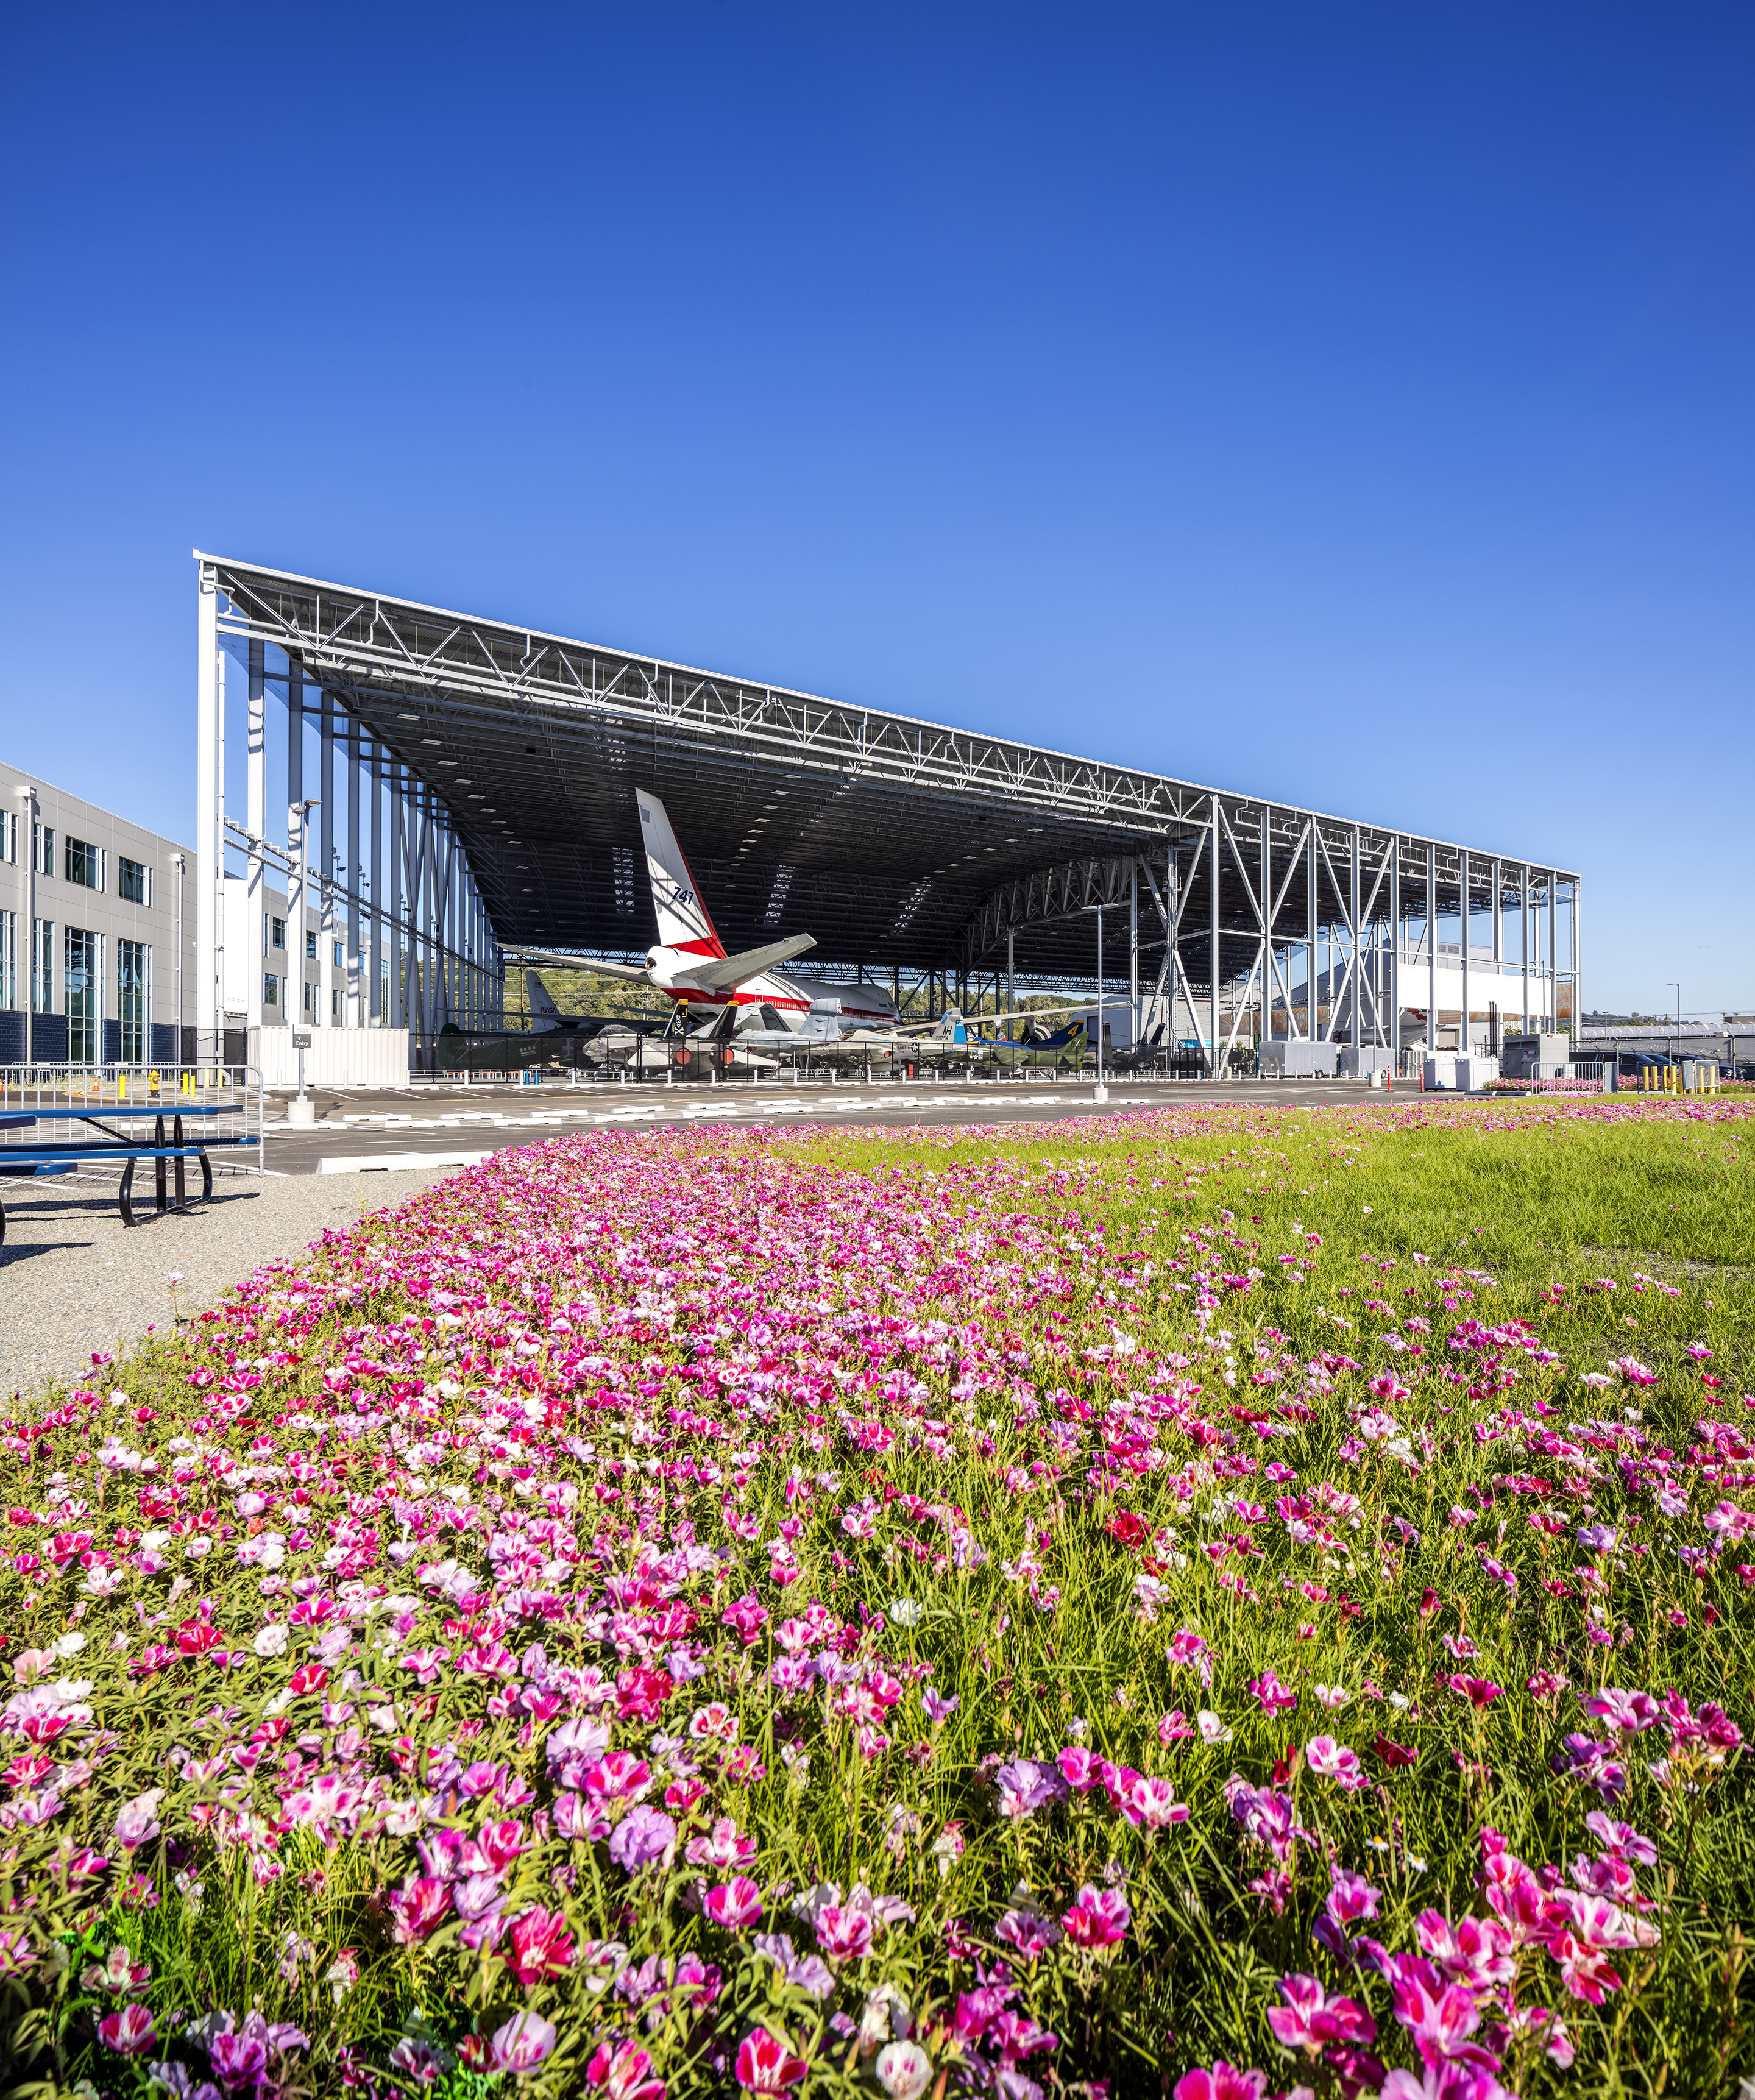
1396,923
1463,1043
398,1007
1356,1031
1133,946
1554,953
1310,931
1266,895
1523,941
375,999
255,898
353,1014
296,979
1578,995
326,859
210,793
1431,948
1213,915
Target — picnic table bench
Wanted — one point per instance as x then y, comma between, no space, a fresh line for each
67,1156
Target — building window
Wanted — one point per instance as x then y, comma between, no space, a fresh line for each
8,958
271,991
8,835
130,998
42,966
276,933
311,948
43,849
307,996
79,995
130,879
84,861
338,954
335,1006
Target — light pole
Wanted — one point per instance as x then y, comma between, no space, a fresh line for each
1099,1093
1677,989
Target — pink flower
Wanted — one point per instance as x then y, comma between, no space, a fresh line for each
1620,1839
1441,2023
1026,1784
621,2073
1632,1713
1224,2081
1275,1697
521,2043
1100,1918
1479,1692
764,2064
843,1933
1329,1759
1475,1952
619,1776
1351,1897
737,1905
542,1945
129,2032
746,1616
416,1907
1152,1804
1311,2021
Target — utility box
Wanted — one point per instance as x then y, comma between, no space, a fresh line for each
1297,1057
1440,1072
1536,1057
1365,1062
1472,1073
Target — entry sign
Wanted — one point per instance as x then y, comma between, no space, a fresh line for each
301,1039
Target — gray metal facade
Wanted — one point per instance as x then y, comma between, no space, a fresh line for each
495,766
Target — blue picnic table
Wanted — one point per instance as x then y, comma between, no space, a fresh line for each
23,1157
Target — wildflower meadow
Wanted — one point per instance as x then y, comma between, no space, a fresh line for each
1216,1602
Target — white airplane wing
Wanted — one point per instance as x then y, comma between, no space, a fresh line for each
726,975
629,973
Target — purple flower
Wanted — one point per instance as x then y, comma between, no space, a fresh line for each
642,1837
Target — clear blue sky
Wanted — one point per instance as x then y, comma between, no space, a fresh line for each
1347,404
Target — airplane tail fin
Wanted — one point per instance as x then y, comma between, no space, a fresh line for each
543,1013
682,917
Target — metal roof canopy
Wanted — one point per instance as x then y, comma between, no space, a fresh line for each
896,843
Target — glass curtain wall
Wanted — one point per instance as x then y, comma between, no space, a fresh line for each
130,999
79,991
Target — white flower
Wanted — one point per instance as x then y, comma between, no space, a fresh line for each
906,1611
904,2070
1333,1696
1212,1729
270,1641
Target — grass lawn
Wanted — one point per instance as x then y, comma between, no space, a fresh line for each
1222,1601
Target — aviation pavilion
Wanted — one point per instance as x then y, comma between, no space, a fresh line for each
428,789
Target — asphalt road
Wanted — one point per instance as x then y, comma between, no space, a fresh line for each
405,1126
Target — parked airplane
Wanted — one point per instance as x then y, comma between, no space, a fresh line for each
689,960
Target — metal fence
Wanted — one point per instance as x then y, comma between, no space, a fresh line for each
76,1103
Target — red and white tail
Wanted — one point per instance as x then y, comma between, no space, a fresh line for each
683,922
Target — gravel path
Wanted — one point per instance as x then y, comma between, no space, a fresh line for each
74,1279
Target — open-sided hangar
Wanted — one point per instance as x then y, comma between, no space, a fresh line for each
426,790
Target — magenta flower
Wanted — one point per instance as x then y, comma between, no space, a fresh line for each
129,2032
1631,1712
1351,1897
1311,2021
1275,1697
542,1945
843,1933
416,1907
737,1905
765,2064
624,2073
1441,2022
1152,1804
1479,1692
1100,1918
1224,2081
